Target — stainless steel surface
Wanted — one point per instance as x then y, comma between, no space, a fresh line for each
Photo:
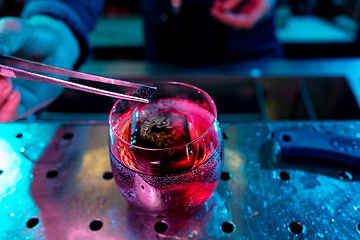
54,172
9,67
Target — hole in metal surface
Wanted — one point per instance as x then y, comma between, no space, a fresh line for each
225,176
358,228
225,135
295,227
284,176
52,173
32,222
142,187
68,136
345,176
20,135
96,225
161,227
1,171
228,227
286,138
108,175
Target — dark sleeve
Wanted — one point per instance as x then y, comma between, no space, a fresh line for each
80,15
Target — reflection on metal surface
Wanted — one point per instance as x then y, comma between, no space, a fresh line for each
68,192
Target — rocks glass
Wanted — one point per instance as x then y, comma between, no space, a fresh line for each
166,156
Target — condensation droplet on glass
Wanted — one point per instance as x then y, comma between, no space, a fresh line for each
332,220
31,175
358,135
355,208
351,126
22,149
193,234
11,214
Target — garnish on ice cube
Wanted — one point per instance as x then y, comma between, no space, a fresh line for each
144,92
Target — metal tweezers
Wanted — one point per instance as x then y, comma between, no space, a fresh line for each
24,69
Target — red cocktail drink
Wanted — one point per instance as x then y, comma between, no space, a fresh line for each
167,156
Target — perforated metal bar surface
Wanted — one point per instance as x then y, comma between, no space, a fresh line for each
56,183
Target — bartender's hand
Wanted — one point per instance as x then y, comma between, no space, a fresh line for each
9,100
227,12
40,38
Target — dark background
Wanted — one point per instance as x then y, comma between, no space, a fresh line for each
307,29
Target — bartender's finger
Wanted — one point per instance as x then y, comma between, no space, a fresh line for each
5,88
246,17
9,108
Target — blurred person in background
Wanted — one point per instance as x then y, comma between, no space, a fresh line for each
192,32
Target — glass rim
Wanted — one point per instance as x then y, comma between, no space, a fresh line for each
172,148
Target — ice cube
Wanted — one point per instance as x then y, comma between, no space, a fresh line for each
159,126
